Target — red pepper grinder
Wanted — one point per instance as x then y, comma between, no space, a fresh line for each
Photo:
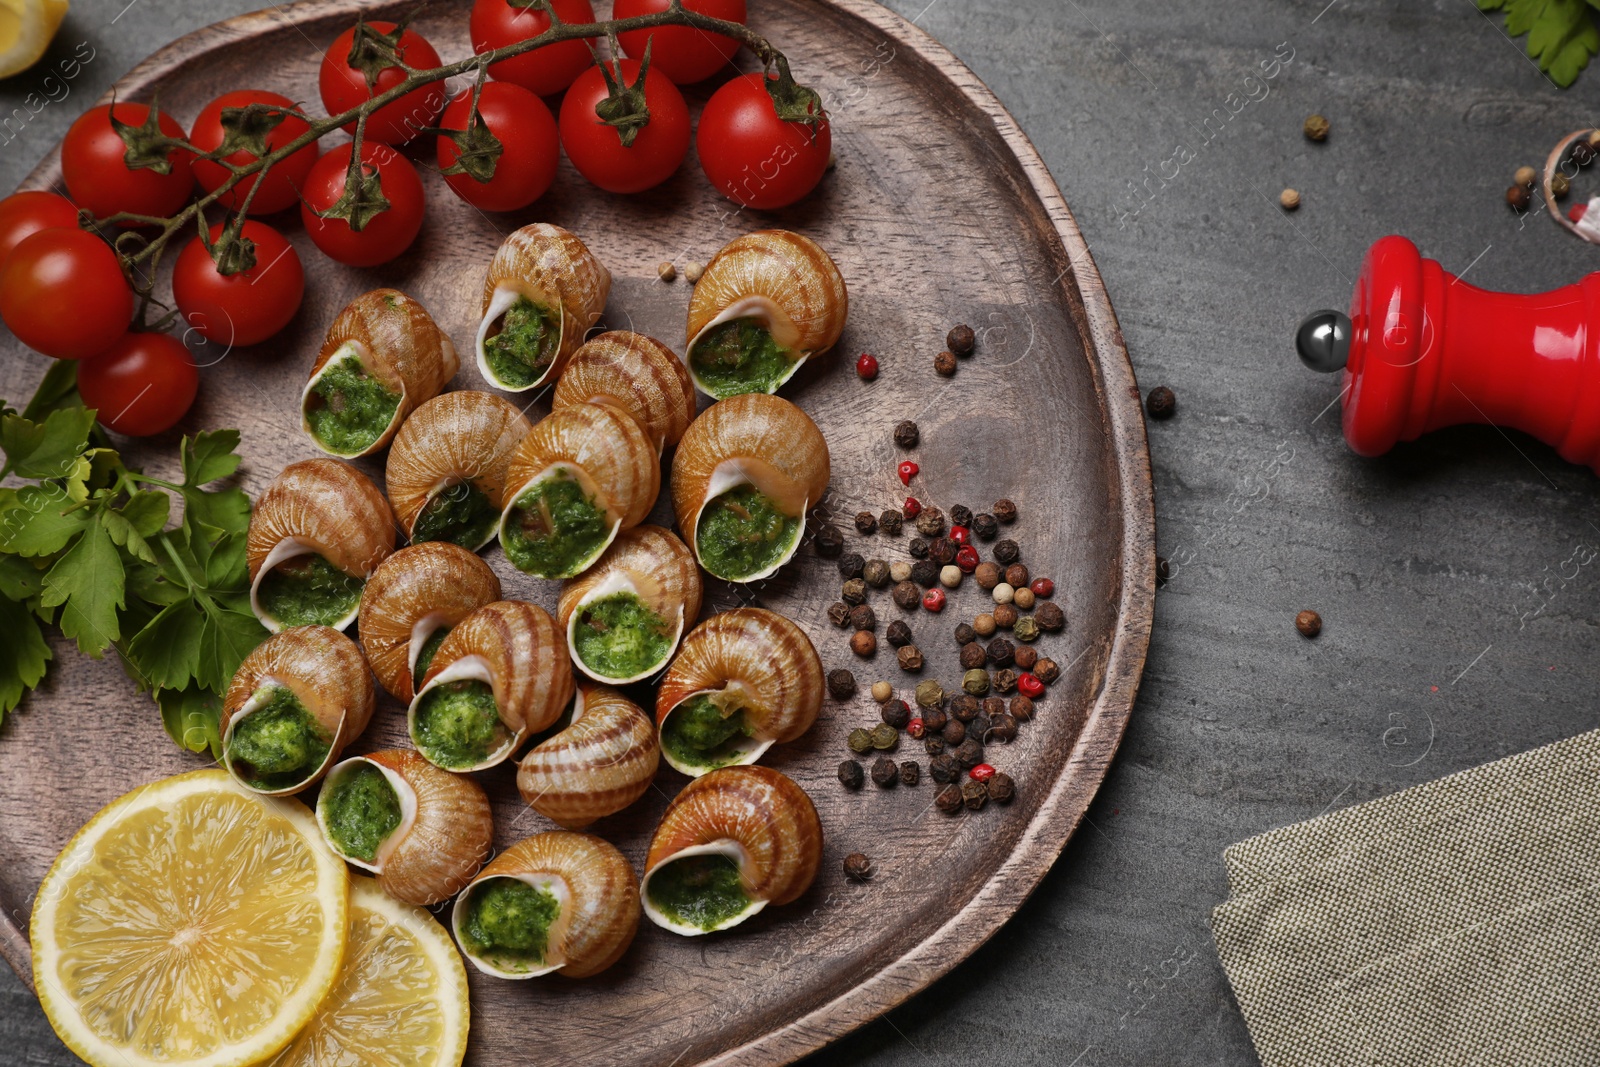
1422,349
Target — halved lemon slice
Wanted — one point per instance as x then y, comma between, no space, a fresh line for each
190,923
401,999
26,29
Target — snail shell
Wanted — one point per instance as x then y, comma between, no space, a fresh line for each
606,452
756,817
327,675
653,565
635,374
597,766
517,650
595,889
784,281
397,342
461,438
750,659
446,828
757,440
409,597
552,268
318,507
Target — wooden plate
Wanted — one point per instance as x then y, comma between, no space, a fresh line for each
939,212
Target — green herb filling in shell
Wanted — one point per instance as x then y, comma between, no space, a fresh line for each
461,514
700,891
360,811
742,533
555,528
618,636
740,356
279,744
349,409
697,734
521,353
307,590
507,922
457,724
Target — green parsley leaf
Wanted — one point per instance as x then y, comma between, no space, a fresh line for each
149,584
87,583
229,636
20,580
1562,34
191,716
125,536
167,651
227,568
147,510
23,654
47,449
209,456
34,520
57,389
226,511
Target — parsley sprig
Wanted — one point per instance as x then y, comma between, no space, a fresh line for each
1562,34
86,546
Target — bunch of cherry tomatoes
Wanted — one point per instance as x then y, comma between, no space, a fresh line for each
63,290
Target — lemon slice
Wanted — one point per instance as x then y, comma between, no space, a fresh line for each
401,999
26,29
190,923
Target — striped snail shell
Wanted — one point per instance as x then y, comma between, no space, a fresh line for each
413,595
595,767
544,288
636,374
646,572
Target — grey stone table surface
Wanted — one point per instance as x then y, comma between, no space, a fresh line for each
1459,626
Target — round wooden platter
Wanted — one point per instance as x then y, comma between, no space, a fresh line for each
939,212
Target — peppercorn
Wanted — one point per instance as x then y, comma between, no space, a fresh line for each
857,867
961,340
884,772
933,743
889,522
1583,153
859,740
1000,788
964,634
692,271
944,364
986,526
864,643
910,658
862,617
882,691
1021,708
964,707
907,595
896,713
1003,593
1043,588
1047,671
983,625
1025,657
854,592
1005,511
916,728
907,470
960,535
967,559
993,706
1560,185
974,795
1005,681
933,719
976,682
1050,617
1005,616
972,656
930,694
899,571
910,772
1001,652
969,753
1026,628
981,773
1315,128
830,541
851,564
1526,176
1022,597
948,799
876,573
930,523
884,737
950,577
842,684
943,550
918,548
1309,623
898,633
867,367
906,434
1289,199
1029,685
954,732
978,727
839,613
850,774
866,523
925,573
1518,198
1001,728
666,271
1006,551
1016,575
961,515
944,769
911,508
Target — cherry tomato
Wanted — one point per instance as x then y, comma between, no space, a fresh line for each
545,71
752,156
387,233
98,178
683,53
244,308
530,147
141,385
24,214
344,86
281,189
596,149
62,293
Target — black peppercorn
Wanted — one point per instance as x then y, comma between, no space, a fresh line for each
954,732
1049,616
933,744
948,799
969,753
850,774
933,719
862,617
866,523
1006,551
986,526
884,772
854,592
994,706
1001,788
1582,153
830,541
889,522
864,643
1001,652
910,658
851,563
942,551
961,515
979,728
961,340
1025,657
965,707
842,684
1005,511
896,713
931,522
899,634
907,595
1047,670
944,364
839,613
1016,576
857,867
1021,708
918,548
942,768
910,772
906,434
925,572
1005,681
1161,403
1001,728
974,795
876,573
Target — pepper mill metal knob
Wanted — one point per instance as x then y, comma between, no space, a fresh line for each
1421,350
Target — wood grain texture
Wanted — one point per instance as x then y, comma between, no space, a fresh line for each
1047,414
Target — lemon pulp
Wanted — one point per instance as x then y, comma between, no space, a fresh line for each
26,29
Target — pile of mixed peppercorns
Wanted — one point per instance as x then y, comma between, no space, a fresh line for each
1004,676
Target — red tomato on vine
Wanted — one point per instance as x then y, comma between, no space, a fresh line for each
141,385
751,155
344,80
94,162
382,235
249,306
545,71
530,146
281,187
683,53
24,214
62,292
599,149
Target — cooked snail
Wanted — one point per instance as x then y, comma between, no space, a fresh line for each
766,303
293,705
544,290
744,679
411,602
732,842
556,901
624,615
600,764
742,479
636,374
383,356
424,832
498,676
582,475
316,533
447,468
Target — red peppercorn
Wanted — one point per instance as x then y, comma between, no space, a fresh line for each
960,534
867,366
1043,587
912,508
981,773
1030,686
967,559
908,470
916,728
933,599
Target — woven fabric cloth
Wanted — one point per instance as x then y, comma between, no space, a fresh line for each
1457,922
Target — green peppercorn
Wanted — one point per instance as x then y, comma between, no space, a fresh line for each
930,694
975,682
884,737
860,741
876,573
1026,628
